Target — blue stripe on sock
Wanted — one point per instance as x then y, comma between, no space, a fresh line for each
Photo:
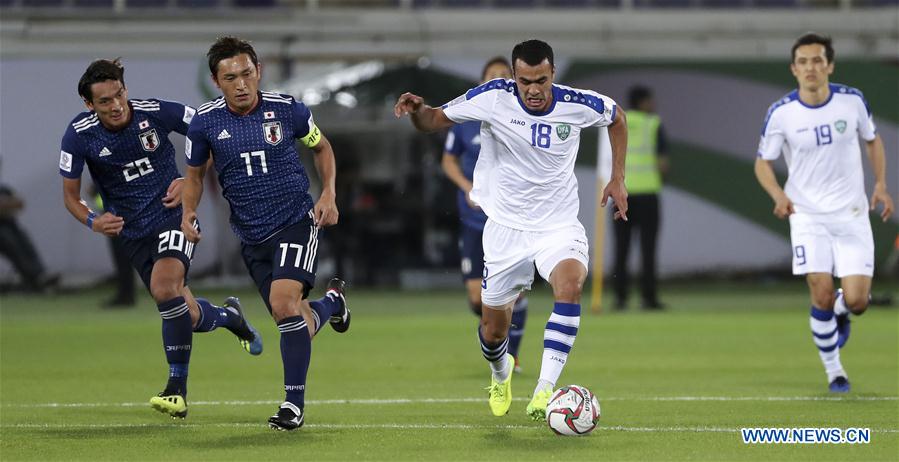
830,348
567,330
820,314
567,309
558,346
825,336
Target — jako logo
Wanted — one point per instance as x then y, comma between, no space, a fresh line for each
517,122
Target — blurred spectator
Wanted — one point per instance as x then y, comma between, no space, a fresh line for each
16,246
125,295
647,162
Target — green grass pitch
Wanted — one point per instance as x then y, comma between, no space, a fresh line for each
406,383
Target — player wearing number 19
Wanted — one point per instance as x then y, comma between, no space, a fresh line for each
125,145
817,127
251,137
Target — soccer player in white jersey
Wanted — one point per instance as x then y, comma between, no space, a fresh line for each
524,181
817,128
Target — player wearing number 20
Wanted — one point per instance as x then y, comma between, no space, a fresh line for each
124,143
251,135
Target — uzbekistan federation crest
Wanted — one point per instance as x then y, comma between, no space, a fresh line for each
563,131
149,140
272,132
840,125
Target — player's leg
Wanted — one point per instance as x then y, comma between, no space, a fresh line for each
563,261
620,276
516,330
471,248
230,316
508,270
854,265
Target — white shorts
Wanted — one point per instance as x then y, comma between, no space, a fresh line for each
510,256
841,248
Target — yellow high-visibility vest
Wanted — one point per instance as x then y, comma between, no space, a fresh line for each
642,168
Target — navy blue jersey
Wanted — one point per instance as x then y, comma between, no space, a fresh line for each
132,167
257,161
464,142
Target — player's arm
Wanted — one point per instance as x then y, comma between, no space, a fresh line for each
764,173
106,223
325,209
425,118
191,193
615,189
452,167
877,157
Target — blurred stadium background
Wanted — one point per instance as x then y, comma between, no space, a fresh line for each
714,64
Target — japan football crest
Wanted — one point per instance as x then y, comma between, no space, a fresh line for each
149,140
272,132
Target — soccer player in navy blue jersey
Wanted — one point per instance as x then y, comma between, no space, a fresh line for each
124,143
250,136
463,144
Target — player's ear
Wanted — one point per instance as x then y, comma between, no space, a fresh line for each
88,104
215,80
259,70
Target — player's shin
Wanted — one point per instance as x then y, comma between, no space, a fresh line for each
177,337
558,338
824,334
495,354
516,331
213,317
296,351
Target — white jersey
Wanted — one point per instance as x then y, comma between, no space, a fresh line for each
524,178
821,147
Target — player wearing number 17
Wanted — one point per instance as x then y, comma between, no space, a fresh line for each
524,181
125,145
251,135
817,128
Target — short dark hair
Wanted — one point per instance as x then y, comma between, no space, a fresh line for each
533,52
811,38
100,70
494,60
637,94
229,47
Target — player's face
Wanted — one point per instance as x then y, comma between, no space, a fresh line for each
238,79
110,102
535,84
810,66
497,71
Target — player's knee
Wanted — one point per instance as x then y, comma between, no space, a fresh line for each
568,291
164,290
493,333
856,303
283,307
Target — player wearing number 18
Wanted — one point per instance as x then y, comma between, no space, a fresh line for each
125,145
251,135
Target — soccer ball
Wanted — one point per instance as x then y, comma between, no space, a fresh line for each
572,410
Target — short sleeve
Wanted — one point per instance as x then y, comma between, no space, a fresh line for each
453,143
772,139
866,128
602,109
176,116
304,127
476,104
196,146
71,155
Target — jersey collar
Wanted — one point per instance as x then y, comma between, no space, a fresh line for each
552,105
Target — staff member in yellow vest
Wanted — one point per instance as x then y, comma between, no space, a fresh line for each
647,163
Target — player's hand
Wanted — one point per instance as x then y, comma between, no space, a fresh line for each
108,224
172,197
882,196
408,104
783,207
616,190
471,202
191,233
325,210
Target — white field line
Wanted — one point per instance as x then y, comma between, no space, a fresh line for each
389,426
466,400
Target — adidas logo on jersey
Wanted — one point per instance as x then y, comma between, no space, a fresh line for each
105,152
224,135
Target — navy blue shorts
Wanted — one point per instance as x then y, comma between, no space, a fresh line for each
166,241
291,253
471,246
